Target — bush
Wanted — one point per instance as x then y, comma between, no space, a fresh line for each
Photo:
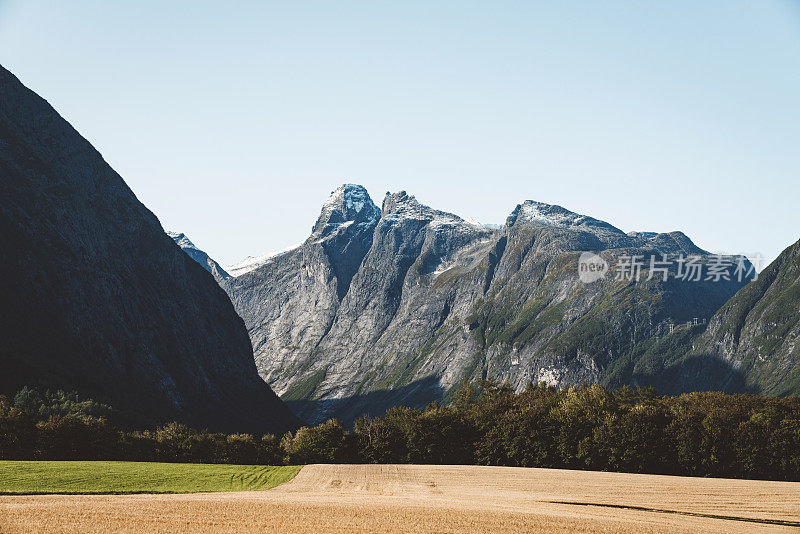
325,443
241,449
71,437
17,433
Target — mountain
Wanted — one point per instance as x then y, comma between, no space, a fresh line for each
751,344
399,305
96,298
251,263
199,256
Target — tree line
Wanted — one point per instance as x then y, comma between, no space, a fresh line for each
586,427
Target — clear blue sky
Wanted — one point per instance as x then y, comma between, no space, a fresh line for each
233,121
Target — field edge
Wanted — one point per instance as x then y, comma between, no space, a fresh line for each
111,477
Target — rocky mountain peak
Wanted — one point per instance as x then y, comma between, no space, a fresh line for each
536,213
401,202
349,202
643,235
402,206
199,256
676,241
539,214
181,240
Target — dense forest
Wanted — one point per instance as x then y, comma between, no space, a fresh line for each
587,427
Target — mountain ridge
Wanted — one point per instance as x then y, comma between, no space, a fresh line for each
199,256
557,217
418,300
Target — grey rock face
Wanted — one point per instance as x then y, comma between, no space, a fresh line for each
399,305
199,256
96,298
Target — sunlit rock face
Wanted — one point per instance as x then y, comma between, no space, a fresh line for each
399,305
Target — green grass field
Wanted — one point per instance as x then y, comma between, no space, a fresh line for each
23,477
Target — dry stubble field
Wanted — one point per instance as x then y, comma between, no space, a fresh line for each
413,498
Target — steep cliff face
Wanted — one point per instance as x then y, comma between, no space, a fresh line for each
400,305
95,297
199,256
290,302
751,344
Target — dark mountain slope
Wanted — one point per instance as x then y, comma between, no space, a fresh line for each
95,297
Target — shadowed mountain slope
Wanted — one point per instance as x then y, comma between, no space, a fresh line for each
95,297
751,344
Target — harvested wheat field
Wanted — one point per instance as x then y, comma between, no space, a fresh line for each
416,498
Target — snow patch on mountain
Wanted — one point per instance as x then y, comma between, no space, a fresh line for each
404,206
539,213
252,263
475,222
348,202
